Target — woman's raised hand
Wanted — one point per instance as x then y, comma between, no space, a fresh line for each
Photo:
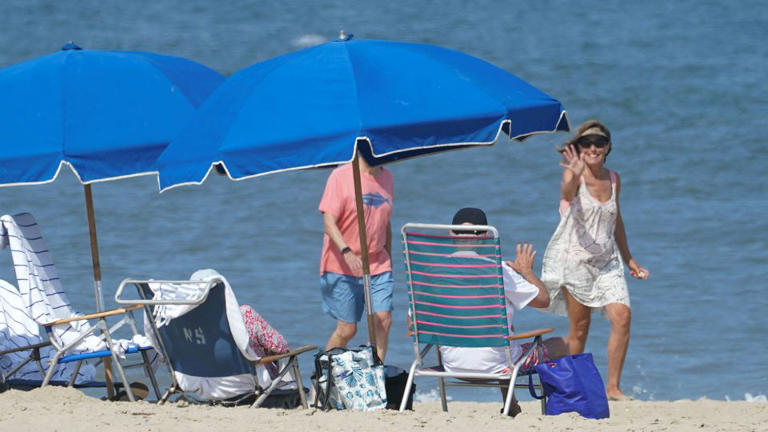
572,160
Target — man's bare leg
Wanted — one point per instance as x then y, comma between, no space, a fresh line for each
382,322
342,335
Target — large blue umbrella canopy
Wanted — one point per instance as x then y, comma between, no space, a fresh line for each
105,114
316,107
313,107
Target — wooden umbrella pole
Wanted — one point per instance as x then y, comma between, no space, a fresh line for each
94,248
363,246
97,280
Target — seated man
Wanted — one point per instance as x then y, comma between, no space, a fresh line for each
522,288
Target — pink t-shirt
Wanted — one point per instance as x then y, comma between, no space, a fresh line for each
339,201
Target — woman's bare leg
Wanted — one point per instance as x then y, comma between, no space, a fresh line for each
620,316
580,318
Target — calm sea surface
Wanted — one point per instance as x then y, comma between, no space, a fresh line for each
680,84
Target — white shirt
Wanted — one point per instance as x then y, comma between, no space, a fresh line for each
518,292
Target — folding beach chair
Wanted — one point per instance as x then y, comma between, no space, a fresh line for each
456,293
39,300
199,329
24,352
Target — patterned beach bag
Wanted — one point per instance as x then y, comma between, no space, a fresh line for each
326,394
354,380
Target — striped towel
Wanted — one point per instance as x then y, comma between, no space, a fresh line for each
39,283
18,329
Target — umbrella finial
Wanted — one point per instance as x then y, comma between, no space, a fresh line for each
70,46
343,36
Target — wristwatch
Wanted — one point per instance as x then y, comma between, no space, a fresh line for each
345,250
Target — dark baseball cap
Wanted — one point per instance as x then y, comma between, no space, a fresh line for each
471,215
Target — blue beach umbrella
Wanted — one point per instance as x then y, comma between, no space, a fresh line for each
311,108
316,107
104,114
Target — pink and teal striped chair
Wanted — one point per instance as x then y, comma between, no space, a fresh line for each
456,292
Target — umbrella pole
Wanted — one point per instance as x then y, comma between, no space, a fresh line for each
363,247
94,248
97,280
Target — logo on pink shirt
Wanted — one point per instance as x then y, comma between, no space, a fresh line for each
375,200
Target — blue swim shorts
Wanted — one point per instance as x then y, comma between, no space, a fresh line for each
344,299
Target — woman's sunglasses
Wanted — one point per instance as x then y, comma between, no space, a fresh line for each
599,142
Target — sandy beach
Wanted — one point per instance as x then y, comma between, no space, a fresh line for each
61,409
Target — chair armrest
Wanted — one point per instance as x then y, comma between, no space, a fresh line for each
530,334
26,348
118,311
276,357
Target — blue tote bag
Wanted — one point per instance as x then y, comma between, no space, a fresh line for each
572,383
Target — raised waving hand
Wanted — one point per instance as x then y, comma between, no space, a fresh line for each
572,160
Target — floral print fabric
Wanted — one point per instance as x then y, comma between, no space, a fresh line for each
262,337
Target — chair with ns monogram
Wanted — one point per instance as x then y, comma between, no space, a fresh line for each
198,327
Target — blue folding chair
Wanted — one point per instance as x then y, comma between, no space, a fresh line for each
204,346
456,292
34,362
49,361
40,300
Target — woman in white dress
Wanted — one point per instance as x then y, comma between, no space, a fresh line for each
583,266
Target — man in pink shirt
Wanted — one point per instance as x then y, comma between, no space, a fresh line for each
341,265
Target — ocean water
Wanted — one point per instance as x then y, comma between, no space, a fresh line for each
680,84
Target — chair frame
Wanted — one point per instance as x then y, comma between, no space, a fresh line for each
147,303
34,355
467,379
107,356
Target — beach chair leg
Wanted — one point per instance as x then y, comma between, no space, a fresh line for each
443,398
511,390
509,397
543,398
40,366
120,370
166,395
51,369
273,385
150,373
297,377
37,357
74,373
264,394
124,378
408,385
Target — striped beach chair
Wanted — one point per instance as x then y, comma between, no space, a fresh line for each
73,339
456,292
